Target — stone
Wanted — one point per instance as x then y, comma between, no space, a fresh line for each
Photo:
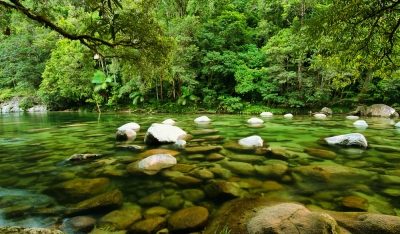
394,192
156,211
236,147
240,168
251,141
397,125
80,188
266,114
108,200
37,109
203,173
360,124
151,199
352,139
11,106
215,157
223,189
320,116
122,218
255,121
389,179
106,230
202,119
78,224
355,202
273,169
83,157
290,218
326,111
280,153
153,164
221,172
163,134
149,226
326,154
180,144
352,117
150,152
367,223
288,116
130,126
193,195
124,135
169,122
214,138
376,110
270,185
26,230
203,149
188,219
184,168
186,180
172,202
333,174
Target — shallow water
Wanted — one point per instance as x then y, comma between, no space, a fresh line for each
34,149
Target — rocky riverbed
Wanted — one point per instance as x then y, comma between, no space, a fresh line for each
69,173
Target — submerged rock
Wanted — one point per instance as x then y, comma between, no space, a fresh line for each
172,202
169,122
149,226
204,131
156,211
122,218
266,114
203,149
360,124
80,188
240,168
273,168
251,141
288,116
290,218
355,202
326,154
25,230
255,121
352,117
352,139
109,200
163,134
153,164
188,219
78,224
223,189
150,152
83,157
202,119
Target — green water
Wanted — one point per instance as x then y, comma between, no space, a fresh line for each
34,149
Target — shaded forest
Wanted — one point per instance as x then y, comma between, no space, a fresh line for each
185,55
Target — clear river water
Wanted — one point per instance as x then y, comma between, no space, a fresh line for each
34,149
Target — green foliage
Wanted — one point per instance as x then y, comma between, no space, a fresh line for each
67,76
230,104
187,97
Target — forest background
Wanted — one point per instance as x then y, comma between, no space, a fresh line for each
226,56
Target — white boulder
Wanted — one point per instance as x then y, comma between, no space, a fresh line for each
169,122
251,141
352,117
266,114
352,139
255,121
154,163
320,116
360,124
397,125
127,134
288,116
202,119
163,134
131,126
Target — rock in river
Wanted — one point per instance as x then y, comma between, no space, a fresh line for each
255,121
397,125
78,224
352,117
130,126
149,226
25,230
326,154
266,114
153,164
169,122
83,157
251,141
81,188
203,149
326,111
360,124
352,139
163,134
240,168
290,218
122,218
126,134
109,200
202,119
188,219
320,116
288,116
